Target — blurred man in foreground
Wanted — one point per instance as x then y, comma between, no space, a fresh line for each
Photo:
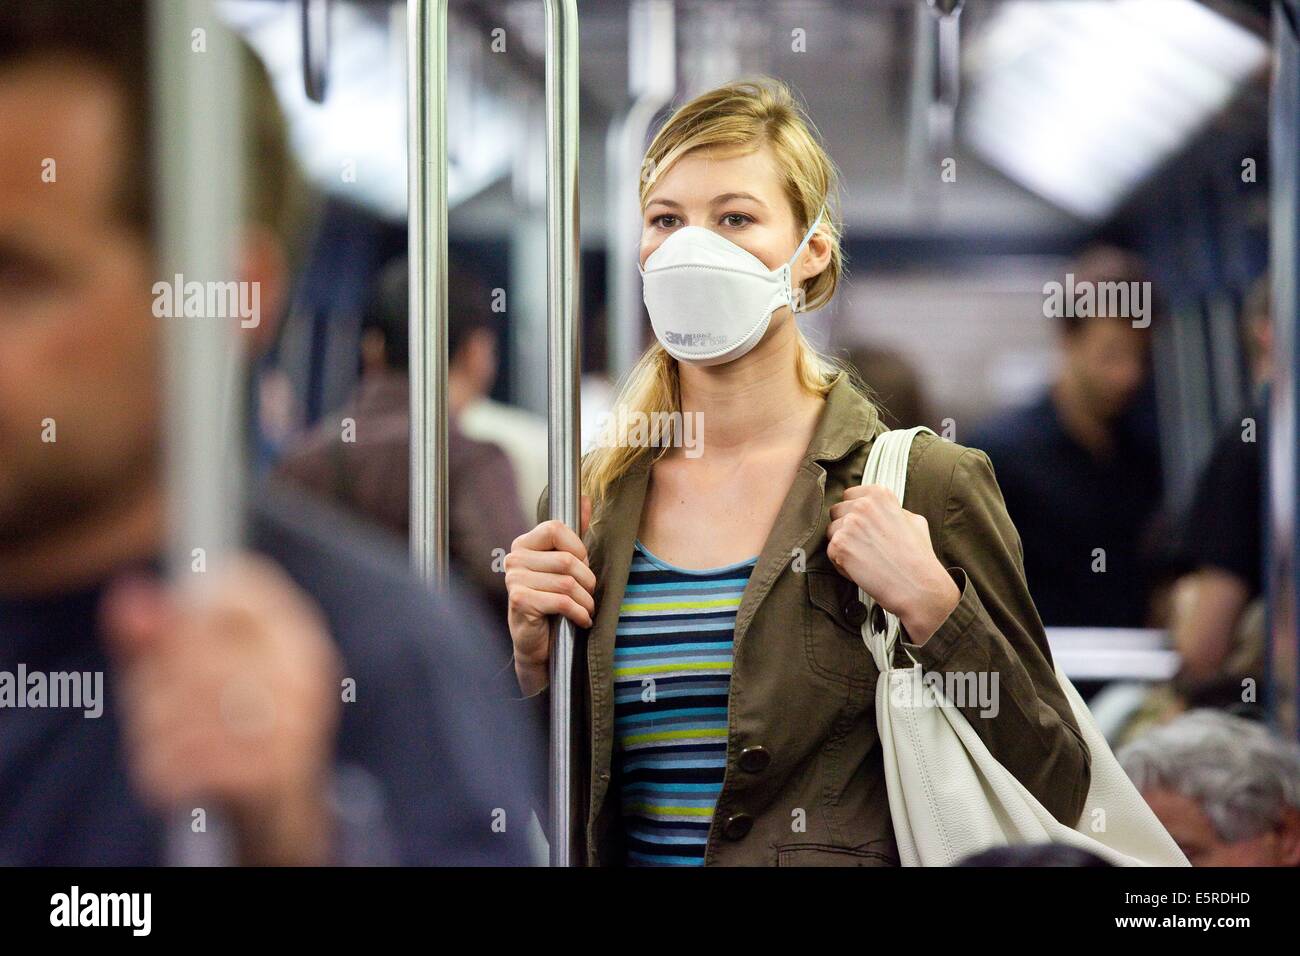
1224,787
316,699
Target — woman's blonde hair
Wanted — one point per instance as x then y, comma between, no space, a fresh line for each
744,115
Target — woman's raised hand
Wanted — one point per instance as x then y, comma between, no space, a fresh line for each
546,574
886,550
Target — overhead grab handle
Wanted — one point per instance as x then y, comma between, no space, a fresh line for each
316,48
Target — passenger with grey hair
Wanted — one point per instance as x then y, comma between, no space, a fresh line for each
1226,788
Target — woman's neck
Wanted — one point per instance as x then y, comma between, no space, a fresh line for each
752,400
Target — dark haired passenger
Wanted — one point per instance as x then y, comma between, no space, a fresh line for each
370,473
1078,467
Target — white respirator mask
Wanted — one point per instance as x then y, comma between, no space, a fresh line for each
709,300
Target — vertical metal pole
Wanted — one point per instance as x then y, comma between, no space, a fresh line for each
1283,558
197,103
920,149
652,81
427,257
197,100
562,356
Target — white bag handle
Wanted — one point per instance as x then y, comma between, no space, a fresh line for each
887,466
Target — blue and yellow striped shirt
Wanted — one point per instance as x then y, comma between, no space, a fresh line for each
672,673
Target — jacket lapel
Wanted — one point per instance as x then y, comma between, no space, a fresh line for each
847,421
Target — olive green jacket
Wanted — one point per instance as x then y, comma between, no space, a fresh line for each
804,782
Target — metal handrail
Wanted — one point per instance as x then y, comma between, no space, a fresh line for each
199,202
196,130
427,237
1113,653
563,354
428,248
1282,543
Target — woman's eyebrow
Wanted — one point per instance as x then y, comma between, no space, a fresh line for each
728,197
717,200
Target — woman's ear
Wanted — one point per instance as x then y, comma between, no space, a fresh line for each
814,259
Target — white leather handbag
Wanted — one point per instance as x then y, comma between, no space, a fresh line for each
948,796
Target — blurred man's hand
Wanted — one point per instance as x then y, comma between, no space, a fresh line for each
230,702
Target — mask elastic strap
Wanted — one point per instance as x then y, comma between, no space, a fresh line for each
807,236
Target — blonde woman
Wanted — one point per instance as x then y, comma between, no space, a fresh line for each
722,689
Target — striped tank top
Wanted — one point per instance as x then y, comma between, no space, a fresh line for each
672,673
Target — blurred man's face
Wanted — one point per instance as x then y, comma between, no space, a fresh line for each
1192,830
1107,359
78,341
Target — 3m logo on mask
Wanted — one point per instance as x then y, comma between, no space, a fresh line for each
694,340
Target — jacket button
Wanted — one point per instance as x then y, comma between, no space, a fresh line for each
737,826
754,759
856,612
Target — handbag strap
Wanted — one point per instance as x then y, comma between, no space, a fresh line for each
887,466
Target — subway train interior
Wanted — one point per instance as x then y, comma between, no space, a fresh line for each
414,323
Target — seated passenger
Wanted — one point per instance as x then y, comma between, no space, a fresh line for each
1218,624
1226,788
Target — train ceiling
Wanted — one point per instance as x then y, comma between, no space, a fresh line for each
1067,106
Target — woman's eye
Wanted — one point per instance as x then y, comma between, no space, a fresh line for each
736,219
665,221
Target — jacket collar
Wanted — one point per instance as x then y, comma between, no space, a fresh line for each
848,420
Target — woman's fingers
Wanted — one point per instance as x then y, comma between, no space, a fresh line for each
843,521
551,536
553,583
551,562
862,497
546,603
547,573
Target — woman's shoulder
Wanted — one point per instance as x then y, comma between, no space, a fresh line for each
932,451
940,468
